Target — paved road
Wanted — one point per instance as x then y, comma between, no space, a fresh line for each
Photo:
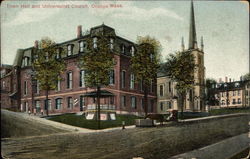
159,142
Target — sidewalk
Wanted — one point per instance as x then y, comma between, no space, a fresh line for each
59,125
221,150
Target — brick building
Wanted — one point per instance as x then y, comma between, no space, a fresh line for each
232,94
128,95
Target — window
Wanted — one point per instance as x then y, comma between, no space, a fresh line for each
246,93
112,77
133,102
25,88
169,87
132,51
111,44
4,85
223,102
58,103
123,101
132,81
25,61
239,101
82,46
37,87
37,104
46,56
82,103
69,48
234,93
122,47
58,85
161,90
111,102
82,81
169,105
58,53
238,92
234,101
95,42
222,94
70,102
49,104
236,84
123,79
142,103
161,106
69,80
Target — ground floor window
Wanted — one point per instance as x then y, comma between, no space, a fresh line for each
58,103
133,102
82,103
49,104
161,106
123,101
70,102
38,106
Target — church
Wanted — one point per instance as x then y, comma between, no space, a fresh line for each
195,98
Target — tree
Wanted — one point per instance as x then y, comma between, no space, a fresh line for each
246,77
47,67
210,98
97,62
180,67
145,62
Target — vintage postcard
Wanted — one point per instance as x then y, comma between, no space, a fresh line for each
125,79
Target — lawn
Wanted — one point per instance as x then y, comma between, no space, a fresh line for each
229,111
80,121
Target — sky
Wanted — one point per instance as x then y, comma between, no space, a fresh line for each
224,26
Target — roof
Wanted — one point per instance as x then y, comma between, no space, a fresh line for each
230,85
18,58
103,94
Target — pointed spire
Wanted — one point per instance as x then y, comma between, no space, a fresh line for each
182,44
192,32
202,45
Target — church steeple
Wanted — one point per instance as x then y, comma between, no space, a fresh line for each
192,32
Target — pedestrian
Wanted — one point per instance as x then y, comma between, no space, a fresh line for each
29,112
34,111
42,112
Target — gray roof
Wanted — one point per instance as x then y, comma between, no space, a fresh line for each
18,58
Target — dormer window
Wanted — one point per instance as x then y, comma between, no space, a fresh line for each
236,84
58,53
82,46
111,44
69,50
132,51
26,61
95,42
122,47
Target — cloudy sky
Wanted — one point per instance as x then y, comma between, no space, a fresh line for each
223,24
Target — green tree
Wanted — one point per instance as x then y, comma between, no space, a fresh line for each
47,67
97,62
145,62
210,83
246,77
180,67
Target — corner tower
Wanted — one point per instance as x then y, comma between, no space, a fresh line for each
195,99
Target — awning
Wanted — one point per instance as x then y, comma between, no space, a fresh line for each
103,94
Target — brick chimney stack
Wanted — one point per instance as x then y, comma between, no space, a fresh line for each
226,80
230,80
36,44
79,31
220,80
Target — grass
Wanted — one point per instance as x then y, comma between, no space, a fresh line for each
229,111
81,121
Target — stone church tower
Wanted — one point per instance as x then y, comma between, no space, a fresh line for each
195,98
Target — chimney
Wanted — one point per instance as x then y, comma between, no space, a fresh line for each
79,31
226,80
36,44
230,80
220,80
